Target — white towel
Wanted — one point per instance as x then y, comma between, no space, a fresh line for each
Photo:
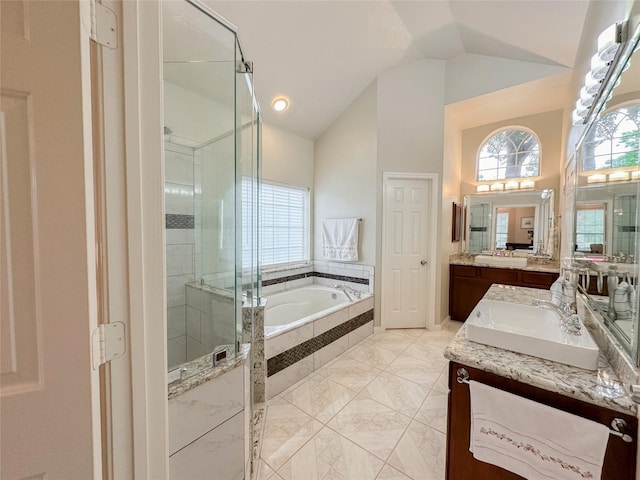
340,239
534,440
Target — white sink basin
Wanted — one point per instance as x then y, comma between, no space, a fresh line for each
531,330
501,261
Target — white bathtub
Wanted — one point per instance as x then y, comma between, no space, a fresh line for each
301,305
307,327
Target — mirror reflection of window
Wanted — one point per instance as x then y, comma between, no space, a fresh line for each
590,228
615,140
502,229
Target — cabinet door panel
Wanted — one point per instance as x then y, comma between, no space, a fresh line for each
620,458
537,279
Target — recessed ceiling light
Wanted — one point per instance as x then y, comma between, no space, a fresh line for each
280,104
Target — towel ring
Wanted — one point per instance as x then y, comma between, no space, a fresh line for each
618,426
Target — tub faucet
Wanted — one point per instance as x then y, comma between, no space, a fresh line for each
348,291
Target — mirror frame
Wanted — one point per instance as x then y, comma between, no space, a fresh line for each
542,223
629,342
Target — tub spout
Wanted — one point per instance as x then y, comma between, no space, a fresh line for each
348,291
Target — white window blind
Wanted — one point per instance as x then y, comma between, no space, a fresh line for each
589,227
283,222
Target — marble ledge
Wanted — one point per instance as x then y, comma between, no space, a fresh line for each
570,381
533,265
204,371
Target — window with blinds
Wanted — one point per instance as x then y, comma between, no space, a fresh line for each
502,229
590,225
283,223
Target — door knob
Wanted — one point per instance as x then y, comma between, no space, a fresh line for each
423,262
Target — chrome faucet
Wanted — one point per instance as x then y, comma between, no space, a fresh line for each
348,291
569,320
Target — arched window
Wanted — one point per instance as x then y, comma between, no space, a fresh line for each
614,140
510,153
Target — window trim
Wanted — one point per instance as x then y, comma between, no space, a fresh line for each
502,129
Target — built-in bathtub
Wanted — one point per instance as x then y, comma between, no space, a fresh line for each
307,327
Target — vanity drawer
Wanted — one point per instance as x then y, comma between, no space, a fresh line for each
463,271
538,279
500,275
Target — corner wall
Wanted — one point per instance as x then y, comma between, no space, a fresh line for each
345,158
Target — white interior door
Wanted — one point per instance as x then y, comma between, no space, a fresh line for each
406,252
49,394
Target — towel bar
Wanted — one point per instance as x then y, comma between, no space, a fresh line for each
618,425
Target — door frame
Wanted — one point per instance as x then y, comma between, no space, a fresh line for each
136,418
432,223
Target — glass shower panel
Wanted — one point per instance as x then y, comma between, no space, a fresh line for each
199,70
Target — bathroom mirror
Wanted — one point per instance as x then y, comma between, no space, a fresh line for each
605,244
518,221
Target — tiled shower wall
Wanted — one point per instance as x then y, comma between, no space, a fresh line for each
180,238
624,223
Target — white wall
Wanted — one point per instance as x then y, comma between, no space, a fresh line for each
451,177
345,173
471,75
286,157
194,118
411,138
345,177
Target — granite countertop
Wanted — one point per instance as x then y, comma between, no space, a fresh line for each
534,265
201,370
589,386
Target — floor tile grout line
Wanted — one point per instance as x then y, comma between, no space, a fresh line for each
370,340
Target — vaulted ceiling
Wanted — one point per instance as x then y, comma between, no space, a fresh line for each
322,54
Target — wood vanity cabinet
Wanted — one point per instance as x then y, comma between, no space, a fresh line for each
620,458
468,284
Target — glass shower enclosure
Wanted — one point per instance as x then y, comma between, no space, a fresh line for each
211,144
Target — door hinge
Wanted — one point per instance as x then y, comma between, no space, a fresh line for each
104,25
107,343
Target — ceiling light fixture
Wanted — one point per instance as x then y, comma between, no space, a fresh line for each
280,104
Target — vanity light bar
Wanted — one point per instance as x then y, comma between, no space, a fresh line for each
510,185
597,178
618,176
603,62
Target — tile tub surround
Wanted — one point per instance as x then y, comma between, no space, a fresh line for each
297,352
570,381
359,277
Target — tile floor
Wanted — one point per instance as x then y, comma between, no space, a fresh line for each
378,411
